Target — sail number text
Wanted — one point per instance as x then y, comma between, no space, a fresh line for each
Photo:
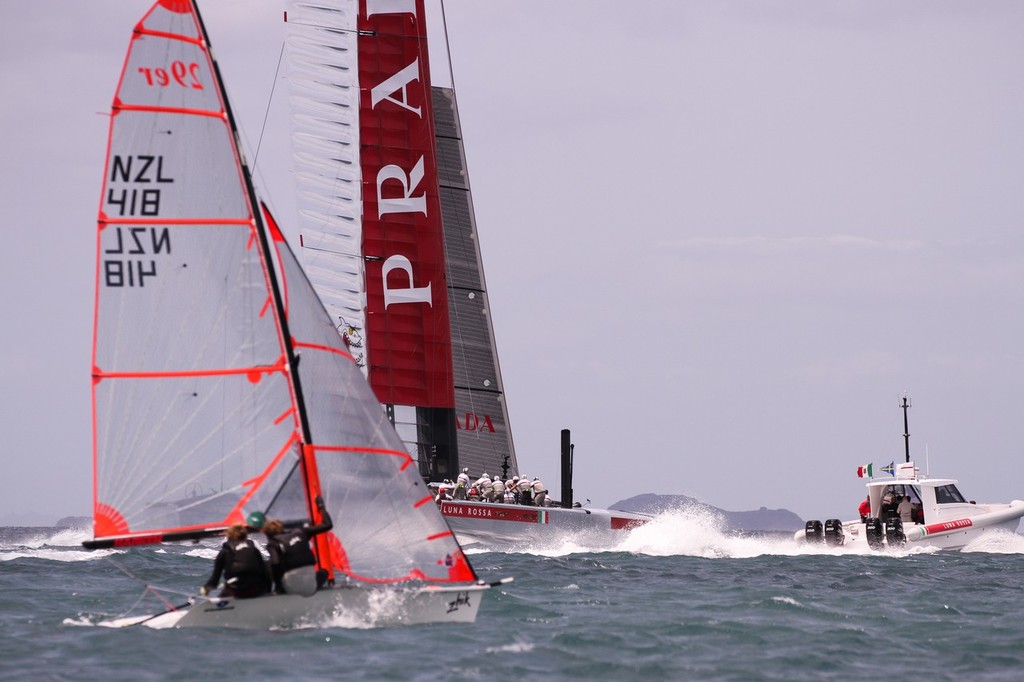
135,189
185,75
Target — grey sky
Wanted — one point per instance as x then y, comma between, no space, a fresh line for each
720,238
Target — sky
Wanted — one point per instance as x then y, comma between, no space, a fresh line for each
721,238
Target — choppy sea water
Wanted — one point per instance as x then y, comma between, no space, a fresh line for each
676,600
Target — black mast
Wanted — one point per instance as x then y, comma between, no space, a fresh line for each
905,404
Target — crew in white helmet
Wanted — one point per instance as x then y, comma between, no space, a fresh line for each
498,490
525,491
461,485
540,493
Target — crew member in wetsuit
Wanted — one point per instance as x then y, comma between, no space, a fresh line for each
241,563
292,562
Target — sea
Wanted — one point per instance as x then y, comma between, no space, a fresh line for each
678,599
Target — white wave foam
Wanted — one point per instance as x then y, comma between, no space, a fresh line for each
513,648
64,555
997,542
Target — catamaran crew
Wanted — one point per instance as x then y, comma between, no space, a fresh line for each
498,490
540,493
525,491
241,563
442,495
462,485
484,487
292,562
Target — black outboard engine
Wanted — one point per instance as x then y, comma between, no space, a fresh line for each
874,532
834,533
894,534
813,532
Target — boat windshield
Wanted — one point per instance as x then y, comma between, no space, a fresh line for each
948,494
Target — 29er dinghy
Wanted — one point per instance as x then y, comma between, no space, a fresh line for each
220,384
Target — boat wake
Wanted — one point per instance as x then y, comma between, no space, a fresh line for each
53,544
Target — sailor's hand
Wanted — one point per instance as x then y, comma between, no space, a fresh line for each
319,503
204,590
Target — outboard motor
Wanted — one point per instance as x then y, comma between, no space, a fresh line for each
894,534
834,535
813,532
874,532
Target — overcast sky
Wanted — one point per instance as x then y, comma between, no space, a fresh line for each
721,239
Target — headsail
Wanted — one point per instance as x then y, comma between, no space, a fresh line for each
220,385
378,179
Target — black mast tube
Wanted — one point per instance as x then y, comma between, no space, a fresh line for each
566,500
906,427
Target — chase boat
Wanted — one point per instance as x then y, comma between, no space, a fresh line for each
940,515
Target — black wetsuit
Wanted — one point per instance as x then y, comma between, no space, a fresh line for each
245,572
290,549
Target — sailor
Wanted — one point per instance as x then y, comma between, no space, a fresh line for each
510,493
905,510
498,490
485,487
865,509
473,495
513,486
241,563
442,495
540,493
292,562
462,485
525,491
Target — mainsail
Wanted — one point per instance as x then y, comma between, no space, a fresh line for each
220,383
388,228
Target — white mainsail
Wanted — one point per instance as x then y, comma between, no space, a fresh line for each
220,384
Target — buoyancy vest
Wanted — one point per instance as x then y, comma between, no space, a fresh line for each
294,549
245,563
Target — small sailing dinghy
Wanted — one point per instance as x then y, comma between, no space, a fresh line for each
220,385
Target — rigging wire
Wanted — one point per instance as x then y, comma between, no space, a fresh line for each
266,113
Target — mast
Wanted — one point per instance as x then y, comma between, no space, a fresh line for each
905,405
261,232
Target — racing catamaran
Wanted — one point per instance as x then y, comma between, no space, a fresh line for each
221,386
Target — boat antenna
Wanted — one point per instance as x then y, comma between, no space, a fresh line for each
905,404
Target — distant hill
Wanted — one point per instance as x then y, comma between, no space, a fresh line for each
75,522
763,519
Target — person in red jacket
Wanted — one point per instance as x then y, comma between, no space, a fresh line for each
865,509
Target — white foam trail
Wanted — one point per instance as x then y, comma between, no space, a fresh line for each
997,542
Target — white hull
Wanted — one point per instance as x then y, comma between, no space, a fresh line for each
332,607
510,525
953,534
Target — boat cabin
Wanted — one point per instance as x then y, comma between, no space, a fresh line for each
932,499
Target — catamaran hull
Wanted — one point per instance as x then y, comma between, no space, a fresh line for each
482,523
337,607
947,535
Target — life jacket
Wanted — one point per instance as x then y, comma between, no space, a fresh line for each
294,548
245,564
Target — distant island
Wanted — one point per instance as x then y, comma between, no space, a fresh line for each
763,519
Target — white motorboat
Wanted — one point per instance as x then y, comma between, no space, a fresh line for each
938,515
